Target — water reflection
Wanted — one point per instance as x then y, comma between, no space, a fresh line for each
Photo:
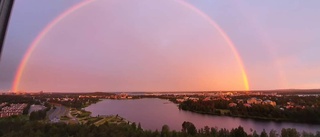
154,113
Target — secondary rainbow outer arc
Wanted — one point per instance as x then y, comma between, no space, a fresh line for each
87,2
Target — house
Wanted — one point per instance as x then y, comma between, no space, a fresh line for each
240,101
232,104
254,101
179,100
207,99
13,109
194,99
269,102
247,105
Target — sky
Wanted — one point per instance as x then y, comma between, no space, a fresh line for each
163,46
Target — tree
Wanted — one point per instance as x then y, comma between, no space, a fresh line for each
318,134
214,132
139,127
290,132
165,131
255,134
264,133
134,126
207,130
273,133
34,116
189,128
26,110
223,133
238,132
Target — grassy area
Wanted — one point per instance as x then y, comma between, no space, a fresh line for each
83,116
224,111
102,121
80,113
64,118
17,118
92,120
111,119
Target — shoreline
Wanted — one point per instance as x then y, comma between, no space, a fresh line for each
277,120
83,116
251,117
174,106
261,119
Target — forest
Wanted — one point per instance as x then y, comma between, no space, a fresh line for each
15,127
256,111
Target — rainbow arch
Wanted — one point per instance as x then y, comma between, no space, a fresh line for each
84,3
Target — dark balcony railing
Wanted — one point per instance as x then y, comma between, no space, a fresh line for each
5,11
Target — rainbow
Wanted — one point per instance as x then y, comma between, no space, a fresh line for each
84,3
225,36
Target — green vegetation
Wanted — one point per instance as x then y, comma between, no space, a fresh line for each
83,113
26,110
256,111
75,102
15,127
85,117
115,126
111,119
38,115
64,118
17,99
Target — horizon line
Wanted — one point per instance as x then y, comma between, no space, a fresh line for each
173,91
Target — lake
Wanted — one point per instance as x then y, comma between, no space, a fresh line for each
153,113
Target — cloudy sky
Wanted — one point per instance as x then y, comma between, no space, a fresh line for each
142,45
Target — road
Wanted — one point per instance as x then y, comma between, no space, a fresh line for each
72,118
55,114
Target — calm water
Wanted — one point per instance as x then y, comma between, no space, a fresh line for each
153,113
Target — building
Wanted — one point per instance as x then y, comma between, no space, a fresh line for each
254,101
247,105
180,100
240,101
194,99
269,102
207,99
13,109
3,104
232,104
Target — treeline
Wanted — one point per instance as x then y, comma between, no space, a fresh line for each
18,128
40,114
258,111
282,100
16,99
76,102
